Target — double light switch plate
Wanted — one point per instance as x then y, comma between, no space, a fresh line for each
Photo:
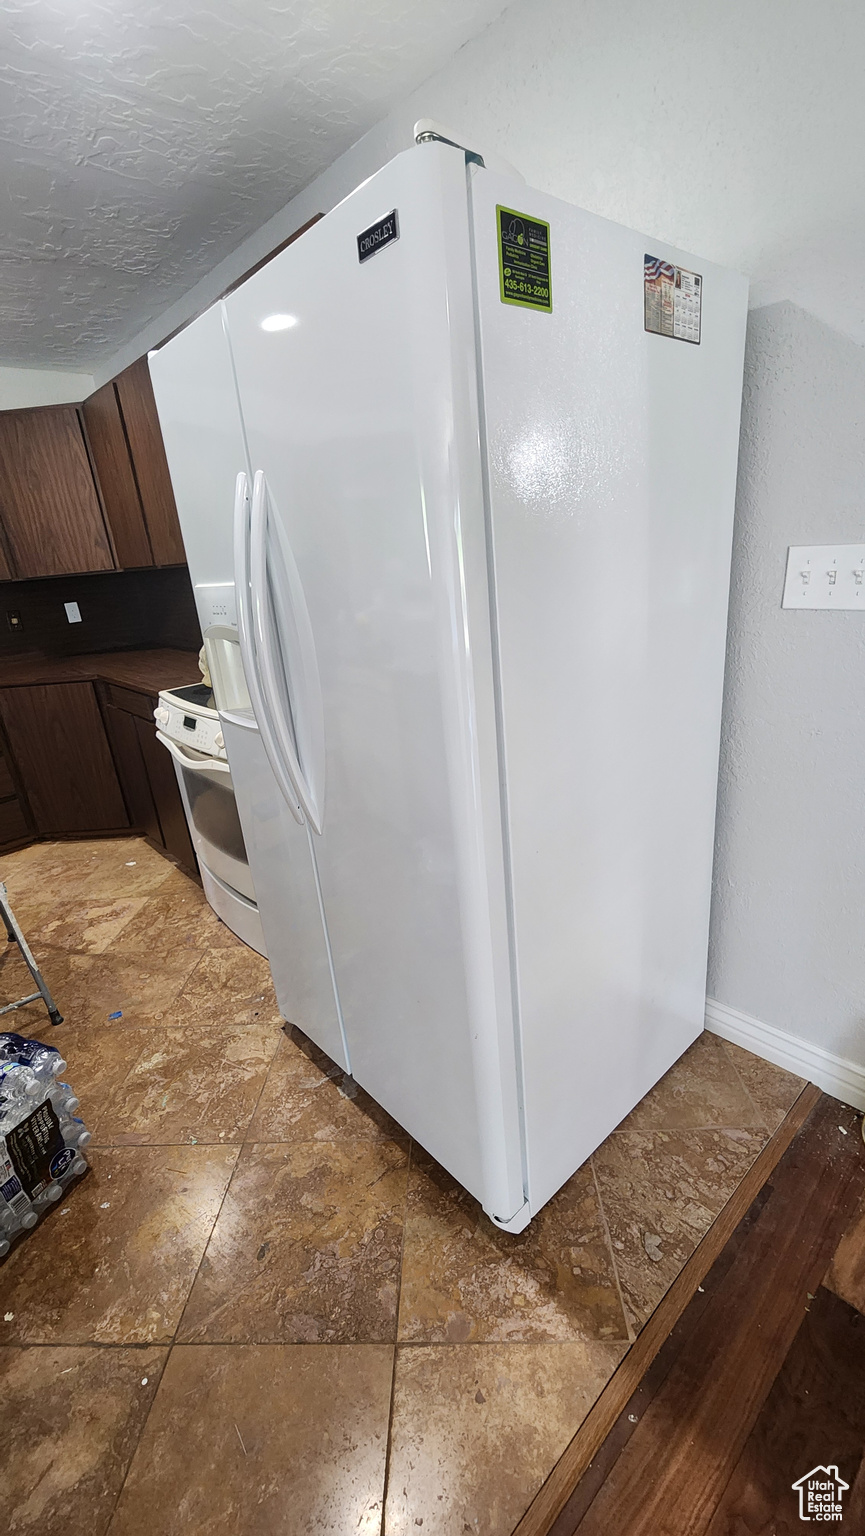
825,576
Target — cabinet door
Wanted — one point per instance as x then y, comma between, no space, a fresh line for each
110,452
163,786
138,408
132,770
14,817
59,744
49,507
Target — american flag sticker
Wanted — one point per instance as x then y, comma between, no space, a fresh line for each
672,300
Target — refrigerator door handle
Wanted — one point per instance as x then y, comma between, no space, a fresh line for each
247,644
267,644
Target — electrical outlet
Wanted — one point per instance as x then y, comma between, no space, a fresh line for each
13,619
73,613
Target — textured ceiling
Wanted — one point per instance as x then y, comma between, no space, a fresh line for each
142,140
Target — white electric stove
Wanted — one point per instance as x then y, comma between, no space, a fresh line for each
189,728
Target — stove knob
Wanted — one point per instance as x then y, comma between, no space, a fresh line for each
161,715
219,741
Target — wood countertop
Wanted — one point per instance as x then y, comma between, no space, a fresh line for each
146,671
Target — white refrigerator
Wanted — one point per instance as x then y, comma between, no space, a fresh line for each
457,468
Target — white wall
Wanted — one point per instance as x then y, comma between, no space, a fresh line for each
21,387
788,929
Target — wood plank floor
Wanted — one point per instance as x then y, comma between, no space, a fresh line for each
761,1378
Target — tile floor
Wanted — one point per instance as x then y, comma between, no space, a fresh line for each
264,1312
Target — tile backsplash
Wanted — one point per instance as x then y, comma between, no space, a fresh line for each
120,610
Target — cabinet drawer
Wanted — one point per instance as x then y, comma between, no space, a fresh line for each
13,822
141,704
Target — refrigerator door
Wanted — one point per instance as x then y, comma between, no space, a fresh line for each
201,426
355,362
611,458
286,885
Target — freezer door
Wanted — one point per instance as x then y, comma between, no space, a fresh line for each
611,456
201,426
285,883
355,360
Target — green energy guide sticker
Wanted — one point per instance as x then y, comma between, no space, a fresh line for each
524,260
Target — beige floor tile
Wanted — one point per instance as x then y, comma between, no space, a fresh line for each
477,1427
661,1191
264,1440
771,1089
464,1279
701,1089
90,925
188,1085
98,1059
70,1420
306,1248
229,986
114,867
115,1261
307,1098
143,988
47,868
280,1264
15,982
177,915
126,867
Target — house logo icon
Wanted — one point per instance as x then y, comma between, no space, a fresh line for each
820,1493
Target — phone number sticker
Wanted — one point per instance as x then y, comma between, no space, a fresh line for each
525,276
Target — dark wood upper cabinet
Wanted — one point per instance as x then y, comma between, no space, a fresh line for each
49,507
141,423
129,459
59,744
109,451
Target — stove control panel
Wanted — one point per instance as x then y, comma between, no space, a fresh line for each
190,725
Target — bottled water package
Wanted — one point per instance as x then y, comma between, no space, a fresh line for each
41,1138
44,1060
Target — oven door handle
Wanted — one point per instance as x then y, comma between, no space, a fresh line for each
199,764
242,518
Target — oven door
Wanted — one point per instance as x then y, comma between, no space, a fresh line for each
211,811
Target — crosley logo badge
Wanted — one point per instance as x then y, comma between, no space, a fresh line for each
378,235
820,1493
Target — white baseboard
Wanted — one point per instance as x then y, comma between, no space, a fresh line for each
843,1079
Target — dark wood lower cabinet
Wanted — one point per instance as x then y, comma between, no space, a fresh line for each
147,772
125,745
163,782
58,742
82,758
15,825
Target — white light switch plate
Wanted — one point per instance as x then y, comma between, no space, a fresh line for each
73,613
825,576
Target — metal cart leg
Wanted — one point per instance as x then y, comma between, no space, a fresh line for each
15,936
